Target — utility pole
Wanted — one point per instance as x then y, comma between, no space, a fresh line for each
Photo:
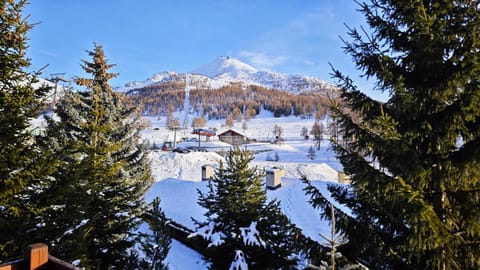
175,128
56,77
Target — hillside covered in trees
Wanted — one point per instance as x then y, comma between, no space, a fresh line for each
236,100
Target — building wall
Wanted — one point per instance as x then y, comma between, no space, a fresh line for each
207,172
274,178
232,139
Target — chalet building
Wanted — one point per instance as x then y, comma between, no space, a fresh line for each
232,137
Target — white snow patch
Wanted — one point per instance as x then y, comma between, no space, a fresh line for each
208,233
239,263
251,237
225,65
181,166
181,257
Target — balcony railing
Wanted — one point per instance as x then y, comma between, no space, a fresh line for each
36,258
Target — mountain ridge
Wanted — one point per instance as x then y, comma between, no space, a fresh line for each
223,71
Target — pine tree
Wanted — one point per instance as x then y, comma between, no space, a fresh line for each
239,218
155,245
99,190
19,159
336,240
413,160
68,186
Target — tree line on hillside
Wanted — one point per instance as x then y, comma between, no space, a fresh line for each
235,100
158,99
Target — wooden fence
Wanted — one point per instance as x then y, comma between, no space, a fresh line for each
36,258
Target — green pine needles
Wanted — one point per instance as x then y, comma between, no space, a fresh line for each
239,218
414,159
156,243
19,159
79,184
103,170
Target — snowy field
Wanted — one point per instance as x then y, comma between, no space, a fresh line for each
178,175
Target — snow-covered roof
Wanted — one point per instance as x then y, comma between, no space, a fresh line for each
179,200
225,64
234,131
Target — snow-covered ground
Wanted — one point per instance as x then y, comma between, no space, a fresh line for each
260,127
179,202
178,175
181,257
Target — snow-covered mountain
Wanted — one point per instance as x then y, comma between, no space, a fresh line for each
224,67
225,70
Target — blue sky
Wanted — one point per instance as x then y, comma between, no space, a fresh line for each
143,37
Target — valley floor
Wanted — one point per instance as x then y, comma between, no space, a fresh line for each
178,176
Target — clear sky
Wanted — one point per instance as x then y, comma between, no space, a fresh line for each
143,37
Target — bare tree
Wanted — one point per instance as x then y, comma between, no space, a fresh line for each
311,153
244,126
198,122
237,114
172,121
278,133
317,131
304,133
229,121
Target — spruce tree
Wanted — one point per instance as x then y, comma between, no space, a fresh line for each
68,186
239,218
414,159
19,103
100,189
156,243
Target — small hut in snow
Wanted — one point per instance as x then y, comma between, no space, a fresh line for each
232,137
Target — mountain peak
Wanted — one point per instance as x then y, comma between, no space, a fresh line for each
225,65
225,70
